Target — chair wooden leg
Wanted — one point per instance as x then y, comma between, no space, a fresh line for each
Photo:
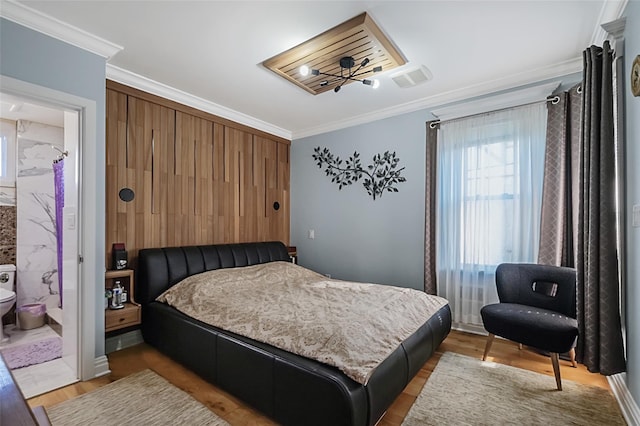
488,346
556,369
572,355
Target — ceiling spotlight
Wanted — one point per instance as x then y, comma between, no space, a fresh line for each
375,83
304,70
346,73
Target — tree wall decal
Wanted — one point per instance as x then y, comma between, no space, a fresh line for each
383,175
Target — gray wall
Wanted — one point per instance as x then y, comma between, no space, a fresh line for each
357,238
632,48
35,58
382,241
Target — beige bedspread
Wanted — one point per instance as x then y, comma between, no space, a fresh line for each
352,326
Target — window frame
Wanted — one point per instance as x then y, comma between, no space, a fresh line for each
8,133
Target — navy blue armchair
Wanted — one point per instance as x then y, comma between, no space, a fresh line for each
537,308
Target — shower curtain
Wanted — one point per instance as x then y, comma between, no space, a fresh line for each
58,177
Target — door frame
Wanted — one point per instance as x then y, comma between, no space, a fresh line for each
88,275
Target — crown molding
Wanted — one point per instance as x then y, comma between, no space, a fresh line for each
615,28
499,101
45,24
612,10
508,83
35,20
151,86
143,83
615,33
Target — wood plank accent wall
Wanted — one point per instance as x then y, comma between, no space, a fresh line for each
197,179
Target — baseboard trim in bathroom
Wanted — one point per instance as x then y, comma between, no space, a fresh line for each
55,314
54,319
122,341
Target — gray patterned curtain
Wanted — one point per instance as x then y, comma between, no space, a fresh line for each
430,210
600,345
558,221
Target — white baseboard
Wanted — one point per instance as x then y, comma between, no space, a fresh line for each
101,366
627,404
123,341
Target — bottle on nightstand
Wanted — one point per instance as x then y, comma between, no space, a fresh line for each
116,297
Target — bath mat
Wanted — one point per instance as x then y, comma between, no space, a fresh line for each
33,353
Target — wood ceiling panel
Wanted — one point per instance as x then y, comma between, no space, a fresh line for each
358,37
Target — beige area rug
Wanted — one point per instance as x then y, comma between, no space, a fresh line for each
467,391
143,398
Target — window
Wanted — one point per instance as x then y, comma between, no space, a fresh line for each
490,170
488,202
7,153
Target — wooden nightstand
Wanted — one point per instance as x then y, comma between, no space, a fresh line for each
115,319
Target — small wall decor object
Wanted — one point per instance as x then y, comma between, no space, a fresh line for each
119,256
635,77
126,194
381,176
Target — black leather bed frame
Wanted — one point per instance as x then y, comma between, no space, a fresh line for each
290,389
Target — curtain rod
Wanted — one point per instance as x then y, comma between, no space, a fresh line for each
62,153
554,100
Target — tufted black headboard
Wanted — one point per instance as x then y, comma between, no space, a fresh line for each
160,268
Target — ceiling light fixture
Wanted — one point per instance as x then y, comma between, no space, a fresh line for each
358,38
347,73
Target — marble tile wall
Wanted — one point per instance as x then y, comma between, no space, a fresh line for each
7,196
37,273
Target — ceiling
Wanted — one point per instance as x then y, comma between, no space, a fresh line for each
15,108
214,51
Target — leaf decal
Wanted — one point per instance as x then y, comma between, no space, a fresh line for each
382,175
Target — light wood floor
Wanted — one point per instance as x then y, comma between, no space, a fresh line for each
131,360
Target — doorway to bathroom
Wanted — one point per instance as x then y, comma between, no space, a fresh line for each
40,237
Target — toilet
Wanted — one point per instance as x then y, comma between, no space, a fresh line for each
7,294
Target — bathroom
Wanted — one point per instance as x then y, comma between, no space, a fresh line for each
39,338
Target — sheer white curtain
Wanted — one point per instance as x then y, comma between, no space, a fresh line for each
490,170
